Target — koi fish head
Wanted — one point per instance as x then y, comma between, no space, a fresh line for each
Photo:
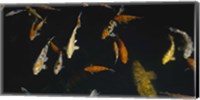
57,69
36,70
87,69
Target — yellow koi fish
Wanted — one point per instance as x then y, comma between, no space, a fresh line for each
42,58
169,55
32,11
59,64
46,7
71,47
142,80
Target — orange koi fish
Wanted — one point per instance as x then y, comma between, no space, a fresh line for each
54,47
123,51
33,33
116,50
191,63
125,18
96,68
35,28
42,59
39,26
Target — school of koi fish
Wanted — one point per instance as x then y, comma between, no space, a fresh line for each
142,78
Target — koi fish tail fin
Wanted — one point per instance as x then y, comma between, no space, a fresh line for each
79,20
112,70
45,20
79,16
172,29
187,69
121,9
165,93
50,40
115,61
25,90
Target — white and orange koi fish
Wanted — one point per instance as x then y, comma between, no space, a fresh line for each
42,58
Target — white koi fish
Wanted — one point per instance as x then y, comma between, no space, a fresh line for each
42,58
14,12
188,48
94,93
59,64
71,47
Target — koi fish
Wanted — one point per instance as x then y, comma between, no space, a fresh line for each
191,63
59,64
169,55
125,18
42,58
39,26
109,29
33,33
103,5
142,80
123,52
46,7
177,95
121,10
32,11
14,12
25,90
96,68
188,48
35,28
94,93
116,50
54,47
71,47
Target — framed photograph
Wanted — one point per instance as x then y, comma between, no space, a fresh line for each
136,50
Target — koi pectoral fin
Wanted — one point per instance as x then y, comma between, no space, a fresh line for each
112,35
173,59
44,67
76,48
45,59
75,41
